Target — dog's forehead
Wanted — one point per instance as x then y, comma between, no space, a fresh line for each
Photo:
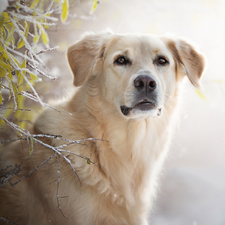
146,44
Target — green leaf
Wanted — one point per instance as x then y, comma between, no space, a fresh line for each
15,91
32,144
44,35
1,20
65,11
34,4
88,161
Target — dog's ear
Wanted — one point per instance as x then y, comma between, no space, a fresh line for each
83,55
190,61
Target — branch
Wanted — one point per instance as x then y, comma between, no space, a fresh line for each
48,49
41,72
57,192
33,170
7,221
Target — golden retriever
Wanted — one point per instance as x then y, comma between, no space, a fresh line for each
127,96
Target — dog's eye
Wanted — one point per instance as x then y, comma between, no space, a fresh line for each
162,61
121,60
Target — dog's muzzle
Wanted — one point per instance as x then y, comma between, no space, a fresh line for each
146,89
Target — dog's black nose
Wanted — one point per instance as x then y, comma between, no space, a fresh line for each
145,83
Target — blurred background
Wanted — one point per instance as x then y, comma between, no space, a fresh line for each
192,186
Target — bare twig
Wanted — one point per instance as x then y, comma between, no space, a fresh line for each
57,192
41,72
48,49
28,135
30,96
7,221
14,108
33,170
8,174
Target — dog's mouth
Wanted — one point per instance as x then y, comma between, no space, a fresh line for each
144,105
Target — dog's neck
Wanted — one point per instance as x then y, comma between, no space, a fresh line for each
137,146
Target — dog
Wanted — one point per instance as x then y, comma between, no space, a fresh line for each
124,108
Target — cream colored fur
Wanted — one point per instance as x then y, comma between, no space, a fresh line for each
119,188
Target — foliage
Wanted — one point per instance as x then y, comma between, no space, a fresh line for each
22,27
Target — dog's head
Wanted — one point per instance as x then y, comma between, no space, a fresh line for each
136,73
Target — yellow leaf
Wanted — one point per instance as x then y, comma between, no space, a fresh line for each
4,54
46,26
200,94
34,4
21,42
0,97
20,78
26,24
10,37
17,6
32,144
5,65
15,60
23,65
6,28
3,34
21,74
65,11
36,38
94,6
6,16
0,92
3,72
1,20
44,35
8,112
33,77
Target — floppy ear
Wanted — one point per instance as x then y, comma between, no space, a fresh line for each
84,53
191,62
